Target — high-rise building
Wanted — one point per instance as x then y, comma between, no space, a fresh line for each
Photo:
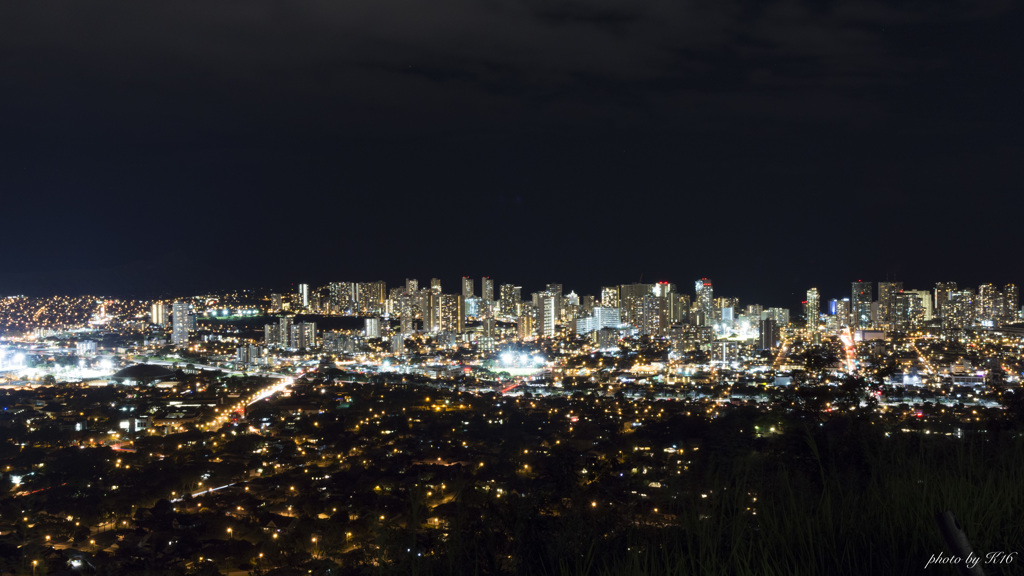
958,312
303,336
652,318
887,292
489,327
663,289
412,285
524,326
556,291
432,311
453,313
860,305
630,301
370,297
546,314
942,290
909,310
304,296
840,309
705,301
371,327
602,317
587,303
180,312
467,287
487,289
780,315
284,331
725,309
990,306
435,285
769,335
679,308
1012,295
248,354
342,296
406,312
925,299
511,296
398,344
610,296
812,310
158,314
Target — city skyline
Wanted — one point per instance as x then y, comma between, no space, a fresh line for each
794,299
510,287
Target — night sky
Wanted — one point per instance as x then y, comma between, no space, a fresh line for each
178,147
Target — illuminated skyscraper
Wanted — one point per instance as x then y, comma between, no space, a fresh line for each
158,314
705,301
370,297
467,287
942,290
556,291
304,296
180,312
453,313
630,301
780,315
432,311
909,311
524,326
679,307
303,336
601,317
725,309
1012,295
887,292
812,310
987,305
652,315
342,297
663,289
860,305
769,335
284,331
959,312
840,309
487,289
511,296
925,299
610,297
371,327
546,313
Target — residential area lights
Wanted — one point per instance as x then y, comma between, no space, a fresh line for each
315,447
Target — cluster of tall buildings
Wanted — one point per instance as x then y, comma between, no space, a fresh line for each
180,315
288,334
895,308
655,309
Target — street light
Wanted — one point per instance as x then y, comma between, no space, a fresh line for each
229,534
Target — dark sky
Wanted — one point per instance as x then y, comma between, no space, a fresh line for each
151,147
